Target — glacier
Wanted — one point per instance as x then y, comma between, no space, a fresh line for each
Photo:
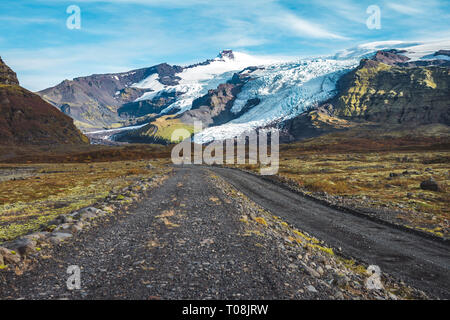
285,88
196,81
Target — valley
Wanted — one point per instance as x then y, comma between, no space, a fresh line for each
87,178
373,84
228,244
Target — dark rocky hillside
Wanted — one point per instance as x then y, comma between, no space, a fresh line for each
95,101
383,91
26,119
214,108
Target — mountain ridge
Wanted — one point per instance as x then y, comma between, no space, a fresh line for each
272,94
391,96
26,119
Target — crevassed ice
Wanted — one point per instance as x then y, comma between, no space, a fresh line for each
285,90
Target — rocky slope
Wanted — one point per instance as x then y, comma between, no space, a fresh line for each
7,76
95,101
212,109
236,92
26,119
381,93
148,107
384,90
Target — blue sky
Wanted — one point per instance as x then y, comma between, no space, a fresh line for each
119,35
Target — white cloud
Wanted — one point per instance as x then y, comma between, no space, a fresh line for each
304,28
404,9
28,20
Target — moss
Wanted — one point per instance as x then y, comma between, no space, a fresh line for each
249,233
436,231
244,219
27,204
261,220
321,248
162,129
311,239
353,265
375,89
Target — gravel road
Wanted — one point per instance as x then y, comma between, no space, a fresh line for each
416,260
187,240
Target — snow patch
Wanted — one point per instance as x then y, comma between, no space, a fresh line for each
285,88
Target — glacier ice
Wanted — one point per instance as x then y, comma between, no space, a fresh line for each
285,91
285,88
196,81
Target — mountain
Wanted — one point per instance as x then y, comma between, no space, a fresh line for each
94,101
111,100
26,119
390,95
235,92
214,108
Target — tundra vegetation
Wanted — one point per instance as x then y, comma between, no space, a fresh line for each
382,175
32,193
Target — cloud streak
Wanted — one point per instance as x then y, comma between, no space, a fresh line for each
28,20
119,35
404,9
303,28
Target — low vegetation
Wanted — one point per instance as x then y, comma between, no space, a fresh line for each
159,131
376,174
31,194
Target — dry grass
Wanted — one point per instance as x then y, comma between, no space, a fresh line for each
369,176
363,175
81,153
48,190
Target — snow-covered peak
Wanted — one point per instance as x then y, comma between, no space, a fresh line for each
284,88
229,62
415,50
195,81
226,54
367,49
425,50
